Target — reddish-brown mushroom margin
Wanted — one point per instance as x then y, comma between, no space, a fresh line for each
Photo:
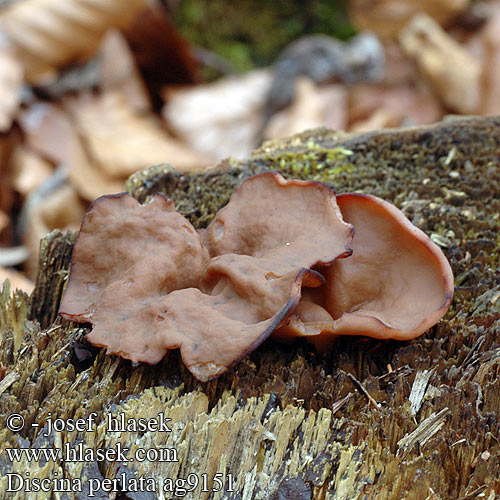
235,294
397,283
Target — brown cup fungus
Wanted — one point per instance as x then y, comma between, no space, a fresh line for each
276,259
396,285
142,276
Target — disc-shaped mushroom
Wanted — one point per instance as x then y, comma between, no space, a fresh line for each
142,276
126,255
396,284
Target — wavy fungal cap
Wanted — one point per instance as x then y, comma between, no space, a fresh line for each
148,282
282,257
397,283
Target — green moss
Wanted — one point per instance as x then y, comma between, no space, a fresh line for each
314,162
245,32
200,196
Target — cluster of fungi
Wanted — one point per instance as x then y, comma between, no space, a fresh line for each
282,258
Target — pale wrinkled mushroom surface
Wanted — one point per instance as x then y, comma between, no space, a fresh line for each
396,284
144,279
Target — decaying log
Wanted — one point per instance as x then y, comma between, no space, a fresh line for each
287,423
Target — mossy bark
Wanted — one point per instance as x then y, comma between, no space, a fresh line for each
288,423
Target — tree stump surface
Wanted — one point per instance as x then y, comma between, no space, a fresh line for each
286,423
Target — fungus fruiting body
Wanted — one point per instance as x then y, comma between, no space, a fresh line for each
396,284
277,259
148,283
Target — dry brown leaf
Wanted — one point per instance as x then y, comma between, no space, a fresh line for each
48,34
29,170
11,80
490,37
162,54
399,68
313,106
334,98
305,112
4,221
453,73
122,141
387,17
17,280
381,118
50,132
223,118
123,77
62,209
409,105
8,106
6,193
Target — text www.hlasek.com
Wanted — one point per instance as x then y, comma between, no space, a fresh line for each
178,486
81,454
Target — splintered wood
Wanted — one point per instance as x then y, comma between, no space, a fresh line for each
418,390
285,423
7,381
423,433
288,441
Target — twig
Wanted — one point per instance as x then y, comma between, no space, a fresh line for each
433,493
338,404
361,389
62,349
422,433
473,351
473,494
418,390
8,380
402,371
13,256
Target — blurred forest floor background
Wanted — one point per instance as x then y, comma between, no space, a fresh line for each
94,90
